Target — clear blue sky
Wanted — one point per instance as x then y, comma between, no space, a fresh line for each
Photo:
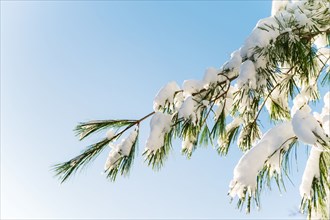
67,62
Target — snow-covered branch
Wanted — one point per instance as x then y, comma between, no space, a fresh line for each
244,183
284,60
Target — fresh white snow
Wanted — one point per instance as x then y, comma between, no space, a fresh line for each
125,146
279,97
325,114
120,150
247,75
321,41
298,102
166,95
312,170
233,64
110,134
210,76
160,124
278,5
189,110
246,171
192,86
188,143
307,128
260,37
112,160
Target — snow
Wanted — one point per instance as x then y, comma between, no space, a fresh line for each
301,18
229,100
205,103
247,75
324,117
192,86
243,101
218,111
166,95
307,128
228,105
260,61
274,162
235,123
110,134
125,146
178,100
246,171
326,124
321,41
284,17
188,144
305,125
232,90
210,76
278,5
121,149
160,124
317,214
299,101
312,170
323,58
234,63
324,54
188,110
294,5
260,37
278,97
112,160
325,114
270,33
303,13
307,88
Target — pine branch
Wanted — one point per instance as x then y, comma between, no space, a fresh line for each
266,175
124,163
293,48
86,129
64,170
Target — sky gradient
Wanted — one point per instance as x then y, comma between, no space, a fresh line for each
67,62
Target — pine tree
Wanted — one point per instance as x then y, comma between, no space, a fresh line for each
281,67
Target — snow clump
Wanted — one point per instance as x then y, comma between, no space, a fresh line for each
233,64
166,95
210,77
312,170
246,171
189,110
298,102
191,86
247,75
307,128
120,150
278,6
160,124
261,36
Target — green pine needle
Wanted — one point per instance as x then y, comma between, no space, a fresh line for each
64,170
85,129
